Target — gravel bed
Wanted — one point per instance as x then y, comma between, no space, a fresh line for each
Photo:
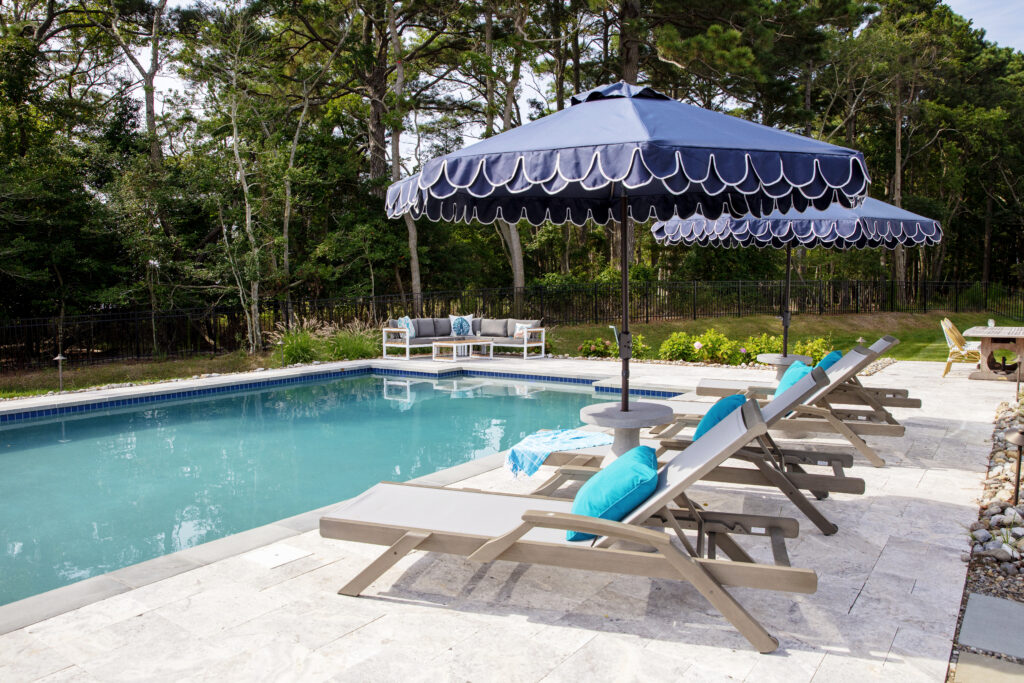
995,542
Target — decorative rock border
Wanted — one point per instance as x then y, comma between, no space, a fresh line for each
995,554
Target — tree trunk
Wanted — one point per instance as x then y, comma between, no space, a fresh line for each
629,42
396,161
489,108
986,256
899,254
566,244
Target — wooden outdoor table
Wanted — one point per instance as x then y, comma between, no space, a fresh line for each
994,339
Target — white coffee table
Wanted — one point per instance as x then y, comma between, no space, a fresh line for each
460,348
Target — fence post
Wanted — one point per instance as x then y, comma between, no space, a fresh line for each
924,295
739,298
856,296
542,291
595,304
986,296
892,296
694,309
821,297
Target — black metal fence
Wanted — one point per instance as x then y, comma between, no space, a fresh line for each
122,335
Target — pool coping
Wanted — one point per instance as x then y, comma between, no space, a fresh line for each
36,608
57,406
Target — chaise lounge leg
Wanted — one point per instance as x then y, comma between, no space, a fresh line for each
720,599
387,559
793,493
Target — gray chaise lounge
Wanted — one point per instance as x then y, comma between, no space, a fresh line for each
484,526
497,331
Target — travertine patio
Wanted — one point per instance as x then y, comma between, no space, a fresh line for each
890,584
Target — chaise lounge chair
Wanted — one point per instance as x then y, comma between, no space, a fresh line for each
772,466
484,527
822,413
852,393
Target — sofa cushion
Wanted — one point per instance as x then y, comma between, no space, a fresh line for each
494,327
476,326
424,327
442,327
504,341
510,329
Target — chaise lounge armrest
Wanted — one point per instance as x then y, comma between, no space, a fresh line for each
395,329
494,548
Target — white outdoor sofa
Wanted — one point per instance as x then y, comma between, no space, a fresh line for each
497,331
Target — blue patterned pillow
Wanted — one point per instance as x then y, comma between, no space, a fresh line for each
406,322
462,325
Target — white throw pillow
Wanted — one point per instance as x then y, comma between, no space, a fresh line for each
521,329
462,325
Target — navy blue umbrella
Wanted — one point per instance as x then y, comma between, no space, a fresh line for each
624,152
872,224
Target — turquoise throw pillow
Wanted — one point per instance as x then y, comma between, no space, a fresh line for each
796,372
829,360
717,413
617,489
408,324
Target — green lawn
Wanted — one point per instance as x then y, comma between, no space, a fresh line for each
32,382
919,333
920,336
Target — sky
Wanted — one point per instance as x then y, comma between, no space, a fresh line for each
1003,20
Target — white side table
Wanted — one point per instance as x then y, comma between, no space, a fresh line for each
626,426
781,362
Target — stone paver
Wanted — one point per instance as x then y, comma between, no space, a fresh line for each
975,668
993,624
889,591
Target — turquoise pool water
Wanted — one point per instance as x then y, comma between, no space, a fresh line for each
89,495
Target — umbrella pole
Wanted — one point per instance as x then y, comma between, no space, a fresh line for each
785,302
625,339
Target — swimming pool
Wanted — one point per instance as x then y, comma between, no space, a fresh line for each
87,495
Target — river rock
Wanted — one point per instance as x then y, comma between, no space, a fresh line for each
975,526
981,535
1017,531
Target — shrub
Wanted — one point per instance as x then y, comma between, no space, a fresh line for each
679,346
299,346
599,348
345,345
641,349
715,347
763,343
815,348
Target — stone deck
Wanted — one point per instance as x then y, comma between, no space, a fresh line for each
890,584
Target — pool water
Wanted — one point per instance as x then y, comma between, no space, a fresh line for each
85,496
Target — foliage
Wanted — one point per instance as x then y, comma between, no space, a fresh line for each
815,348
762,343
598,348
263,177
715,347
604,348
679,346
